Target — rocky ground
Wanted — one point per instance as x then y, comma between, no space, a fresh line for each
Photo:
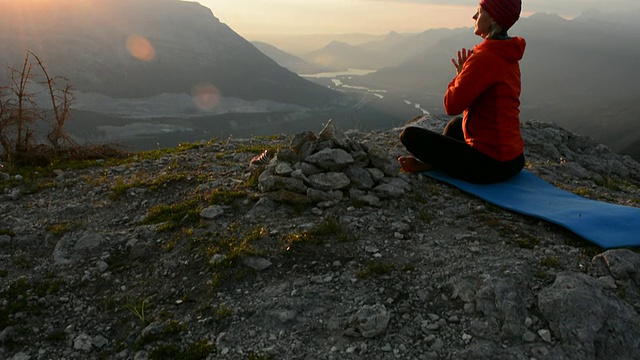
187,255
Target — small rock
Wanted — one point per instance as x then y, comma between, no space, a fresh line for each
100,342
82,342
257,263
529,337
545,335
212,212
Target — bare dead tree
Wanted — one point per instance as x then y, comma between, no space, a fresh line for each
20,116
61,101
25,109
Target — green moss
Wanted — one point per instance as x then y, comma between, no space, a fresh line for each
552,262
375,269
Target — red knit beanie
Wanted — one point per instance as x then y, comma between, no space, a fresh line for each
504,12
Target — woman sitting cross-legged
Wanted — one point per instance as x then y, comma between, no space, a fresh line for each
485,145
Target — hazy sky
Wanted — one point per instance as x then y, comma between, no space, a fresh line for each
255,19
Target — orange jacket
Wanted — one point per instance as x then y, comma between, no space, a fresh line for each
487,90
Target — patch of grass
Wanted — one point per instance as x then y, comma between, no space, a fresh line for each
419,197
375,269
331,226
541,274
235,246
587,249
252,181
45,185
62,228
408,267
22,261
151,182
37,178
154,154
198,350
584,192
170,330
173,328
273,137
166,352
119,189
187,212
426,215
171,243
139,308
20,297
58,336
258,356
223,312
7,232
118,261
224,196
527,242
552,262
610,183
494,209
297,238
257,148
216,281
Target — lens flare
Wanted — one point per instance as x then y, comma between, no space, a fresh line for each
205,96
141,48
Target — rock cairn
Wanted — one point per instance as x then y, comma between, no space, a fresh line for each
328,168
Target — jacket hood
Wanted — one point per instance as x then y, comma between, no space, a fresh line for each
510,49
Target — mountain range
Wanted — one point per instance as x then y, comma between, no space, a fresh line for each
93,43
159,72
138,65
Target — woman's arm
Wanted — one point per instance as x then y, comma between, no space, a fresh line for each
474,77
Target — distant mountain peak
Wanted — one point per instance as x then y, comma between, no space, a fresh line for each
542,16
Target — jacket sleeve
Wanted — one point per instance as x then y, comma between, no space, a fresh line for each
476,77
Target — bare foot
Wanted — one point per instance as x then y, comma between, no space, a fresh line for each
411,165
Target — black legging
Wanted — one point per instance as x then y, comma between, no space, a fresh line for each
449,153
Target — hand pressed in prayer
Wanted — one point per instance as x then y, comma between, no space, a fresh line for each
463,55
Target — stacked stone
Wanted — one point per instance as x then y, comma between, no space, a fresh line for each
328,168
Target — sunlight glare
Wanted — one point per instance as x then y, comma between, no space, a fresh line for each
141,48
206,96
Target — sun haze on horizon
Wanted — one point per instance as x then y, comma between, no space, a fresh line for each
255,19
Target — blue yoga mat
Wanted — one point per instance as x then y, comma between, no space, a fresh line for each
604,224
